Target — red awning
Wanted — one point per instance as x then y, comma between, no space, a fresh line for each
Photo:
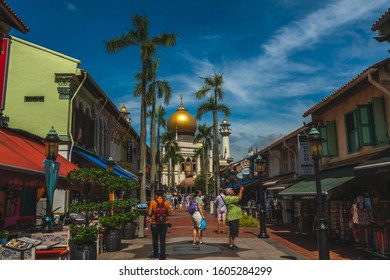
21,159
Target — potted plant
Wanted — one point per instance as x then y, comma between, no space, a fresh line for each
82,242
113,225
4,236
129,228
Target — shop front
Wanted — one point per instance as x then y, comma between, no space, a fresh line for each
302,197
22,178
371,206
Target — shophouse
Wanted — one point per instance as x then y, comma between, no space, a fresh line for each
288,161
354,124
48,89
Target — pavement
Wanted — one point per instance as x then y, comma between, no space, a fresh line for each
283,244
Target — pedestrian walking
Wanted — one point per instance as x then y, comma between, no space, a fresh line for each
221,210
180,201
159,211
196,211
278,211
200,198
234,214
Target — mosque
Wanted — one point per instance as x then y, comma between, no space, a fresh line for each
184,125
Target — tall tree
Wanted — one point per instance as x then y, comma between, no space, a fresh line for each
155,89
160,117
204,135
213,86
139,37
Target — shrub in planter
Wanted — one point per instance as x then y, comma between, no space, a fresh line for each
83,242
248,221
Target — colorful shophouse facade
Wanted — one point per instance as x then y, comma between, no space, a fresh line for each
354,124
59,94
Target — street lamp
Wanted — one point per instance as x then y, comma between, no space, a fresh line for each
231,176
51,168
315,142
260,163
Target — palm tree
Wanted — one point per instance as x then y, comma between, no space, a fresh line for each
148,47
213,84
160,117
171,156
155,89
205,134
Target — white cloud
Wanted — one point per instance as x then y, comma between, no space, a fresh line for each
70,6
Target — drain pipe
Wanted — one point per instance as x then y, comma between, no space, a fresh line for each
70,116
295,156
376,84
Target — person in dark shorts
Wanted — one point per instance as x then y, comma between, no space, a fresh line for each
234,214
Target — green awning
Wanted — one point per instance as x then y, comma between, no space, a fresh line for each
329,180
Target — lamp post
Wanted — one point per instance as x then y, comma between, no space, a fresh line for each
51,168
322,228
110,170
260,163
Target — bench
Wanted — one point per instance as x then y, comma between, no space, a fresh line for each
60,251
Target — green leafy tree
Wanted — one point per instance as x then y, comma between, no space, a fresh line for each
212,89
148,45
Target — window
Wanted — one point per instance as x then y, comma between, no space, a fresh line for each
366,126
285,161
34,99
352,132
329,142
380,125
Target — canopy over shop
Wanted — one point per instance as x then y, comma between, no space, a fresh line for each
22,178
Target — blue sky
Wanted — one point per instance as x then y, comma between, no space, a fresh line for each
278,57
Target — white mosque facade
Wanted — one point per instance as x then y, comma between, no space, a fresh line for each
184,125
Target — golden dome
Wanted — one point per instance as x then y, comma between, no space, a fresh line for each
182,121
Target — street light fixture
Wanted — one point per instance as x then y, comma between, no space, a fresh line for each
51,168
260,164
232,173
315,142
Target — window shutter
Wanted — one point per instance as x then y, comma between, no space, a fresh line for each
324,136
332,138
380,125
364,125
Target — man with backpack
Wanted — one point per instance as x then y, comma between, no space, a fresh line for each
159,211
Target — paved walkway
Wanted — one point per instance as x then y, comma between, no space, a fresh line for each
283,244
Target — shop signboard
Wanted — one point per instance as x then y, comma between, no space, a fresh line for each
4,55
305,163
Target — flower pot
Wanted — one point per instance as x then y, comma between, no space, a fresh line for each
112,240
3,241
128,231
83,252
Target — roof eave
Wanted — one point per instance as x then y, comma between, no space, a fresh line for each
12,19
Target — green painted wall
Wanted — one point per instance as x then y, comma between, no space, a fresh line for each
32,72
